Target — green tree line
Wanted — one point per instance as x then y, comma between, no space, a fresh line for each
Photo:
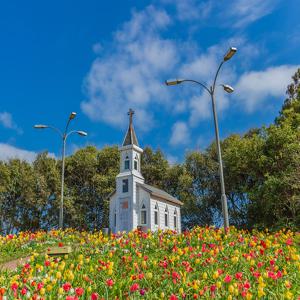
261,170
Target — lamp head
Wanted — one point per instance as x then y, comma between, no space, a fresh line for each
230,53
227,88
82,133
40,126
173,81
72,115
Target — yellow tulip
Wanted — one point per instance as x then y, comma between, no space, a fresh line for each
42,291
289,295
149,275
231,289
49,287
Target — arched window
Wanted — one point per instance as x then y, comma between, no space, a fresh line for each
125,185
115,218
175,219
143,215
166,217
156,214
126,163
136,162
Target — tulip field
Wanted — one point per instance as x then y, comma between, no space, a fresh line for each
203,263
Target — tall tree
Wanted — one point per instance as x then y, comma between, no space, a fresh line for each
154,167
200,205
47,171
290,111
90,177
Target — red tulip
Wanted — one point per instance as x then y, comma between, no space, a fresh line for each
67,286
94,296
79,291
109,282
134,287
239,275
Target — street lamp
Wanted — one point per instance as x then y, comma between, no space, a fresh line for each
211,90
64,135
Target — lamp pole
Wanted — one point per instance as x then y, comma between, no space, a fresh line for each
64,135
211,91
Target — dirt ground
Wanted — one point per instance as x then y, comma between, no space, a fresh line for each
13,264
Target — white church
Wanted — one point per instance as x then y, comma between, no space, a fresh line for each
135,204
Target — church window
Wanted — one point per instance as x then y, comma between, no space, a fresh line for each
166,217
143,215
156,214
125,185
175,219
136,163
126,166
115,218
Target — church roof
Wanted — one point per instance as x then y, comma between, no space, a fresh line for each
159,193
130,138
154,192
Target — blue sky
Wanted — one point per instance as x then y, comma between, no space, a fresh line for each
99,58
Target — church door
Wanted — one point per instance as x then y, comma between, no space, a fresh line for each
124,215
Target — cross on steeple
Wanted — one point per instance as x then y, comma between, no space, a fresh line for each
130,138
130,114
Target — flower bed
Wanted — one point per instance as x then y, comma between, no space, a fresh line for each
203,263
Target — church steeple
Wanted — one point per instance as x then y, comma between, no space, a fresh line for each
130,137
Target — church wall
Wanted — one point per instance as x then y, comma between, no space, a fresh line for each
112,206
124,203
161,208
152,205
179,219
143,197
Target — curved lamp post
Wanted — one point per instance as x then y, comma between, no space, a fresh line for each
64,135
211,91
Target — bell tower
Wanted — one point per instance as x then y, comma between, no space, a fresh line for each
129,176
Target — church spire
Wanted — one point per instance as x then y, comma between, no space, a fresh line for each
130,138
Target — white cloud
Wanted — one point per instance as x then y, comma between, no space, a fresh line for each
234,13
244,12
131,74
97,48
9,152
128,74
189,10
203,66
254,88
201,106
172,159
130,71
180,106
180,134
7,121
